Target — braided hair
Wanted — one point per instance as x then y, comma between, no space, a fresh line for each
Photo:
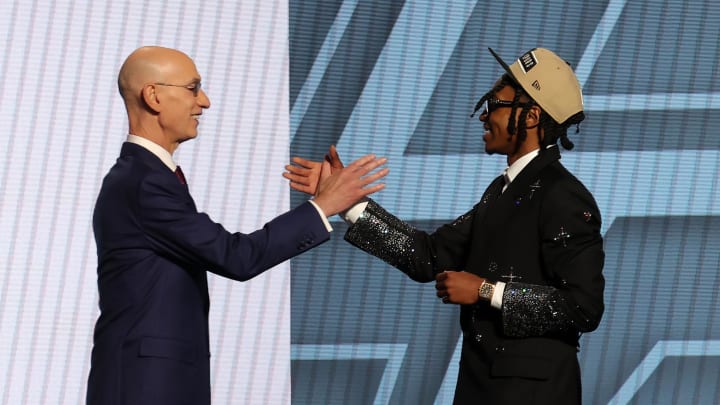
552,130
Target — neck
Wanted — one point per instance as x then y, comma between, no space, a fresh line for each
531,143
154,133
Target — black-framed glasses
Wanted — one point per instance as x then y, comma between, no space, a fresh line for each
194,87
493,104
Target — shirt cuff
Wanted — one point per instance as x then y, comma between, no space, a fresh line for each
322,216
496,301
353,213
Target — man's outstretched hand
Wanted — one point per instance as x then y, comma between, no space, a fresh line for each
339,188
305,174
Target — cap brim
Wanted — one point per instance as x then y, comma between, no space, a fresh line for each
504,65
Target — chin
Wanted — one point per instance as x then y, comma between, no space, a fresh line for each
188,137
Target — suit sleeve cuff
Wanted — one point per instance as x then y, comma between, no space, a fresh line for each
322,216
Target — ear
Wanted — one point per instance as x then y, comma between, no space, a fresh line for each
532,119
150,97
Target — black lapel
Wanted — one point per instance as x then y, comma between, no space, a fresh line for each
529,175
520,189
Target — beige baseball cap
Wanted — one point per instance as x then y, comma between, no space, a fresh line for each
549,80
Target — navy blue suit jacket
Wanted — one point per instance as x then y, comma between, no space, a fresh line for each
154,248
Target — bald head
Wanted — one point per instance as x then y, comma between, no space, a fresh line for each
149,64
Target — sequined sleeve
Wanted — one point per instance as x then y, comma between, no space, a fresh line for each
387,237
534,310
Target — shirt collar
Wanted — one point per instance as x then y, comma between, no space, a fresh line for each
518,166
155,149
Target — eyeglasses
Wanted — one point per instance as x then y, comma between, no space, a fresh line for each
493,104
194,87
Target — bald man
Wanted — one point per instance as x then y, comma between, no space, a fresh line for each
151,343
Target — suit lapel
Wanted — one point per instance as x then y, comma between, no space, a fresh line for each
490,197
529,175
519,191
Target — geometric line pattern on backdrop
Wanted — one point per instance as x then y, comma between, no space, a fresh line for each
597,42
397,76
661,350
654,102
446,393
393,353
320,65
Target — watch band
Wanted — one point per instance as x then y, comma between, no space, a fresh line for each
486,290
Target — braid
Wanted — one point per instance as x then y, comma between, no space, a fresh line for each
512,130
519,127
554,131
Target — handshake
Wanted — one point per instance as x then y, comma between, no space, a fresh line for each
336,187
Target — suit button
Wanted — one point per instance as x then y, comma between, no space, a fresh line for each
500,348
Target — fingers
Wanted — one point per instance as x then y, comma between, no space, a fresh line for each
441,287
376,176
326,170
334,158
298,170
358,164
367,164
302,189
303,175
297,179
359,170
372,165
371,190
304,162
442,291
444,295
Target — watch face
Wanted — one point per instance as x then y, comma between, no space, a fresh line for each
486,290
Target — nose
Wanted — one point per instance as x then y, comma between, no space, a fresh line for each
203,100
484,116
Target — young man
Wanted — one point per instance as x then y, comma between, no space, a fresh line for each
151,341
525,263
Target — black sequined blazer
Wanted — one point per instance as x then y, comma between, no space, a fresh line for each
541,237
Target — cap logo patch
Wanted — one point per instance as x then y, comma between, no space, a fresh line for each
536,85
527,61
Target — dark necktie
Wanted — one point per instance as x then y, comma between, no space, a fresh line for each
180,175
506,180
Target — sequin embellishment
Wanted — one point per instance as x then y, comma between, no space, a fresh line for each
534,187
562,236
492,267
511,277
